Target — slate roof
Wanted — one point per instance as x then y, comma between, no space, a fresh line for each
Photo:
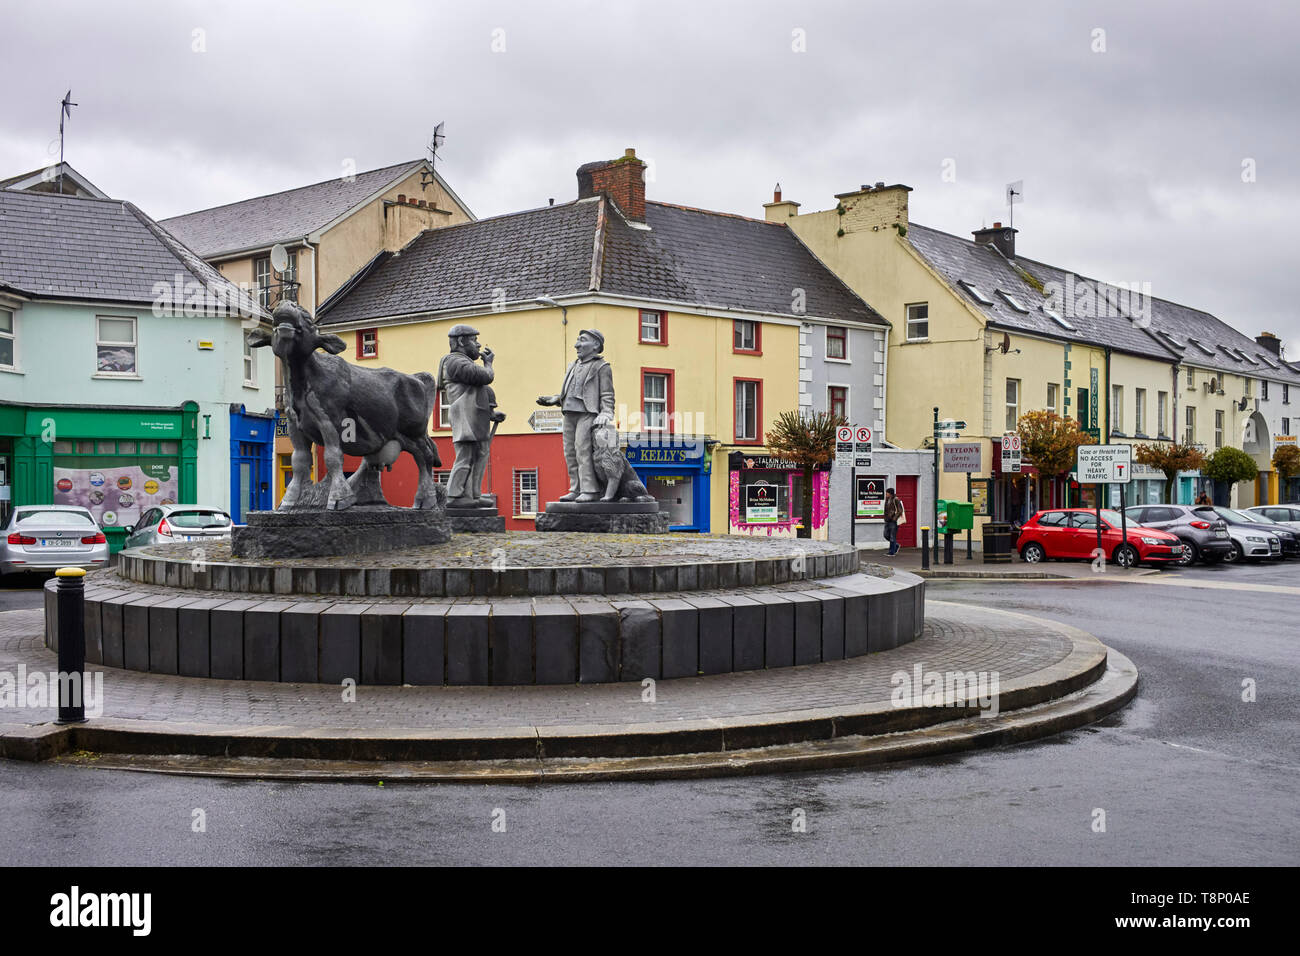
280,217
970,266
687,256
102,250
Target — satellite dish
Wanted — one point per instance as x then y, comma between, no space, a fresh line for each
279,257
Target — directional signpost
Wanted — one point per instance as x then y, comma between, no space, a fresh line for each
1106,465
546,420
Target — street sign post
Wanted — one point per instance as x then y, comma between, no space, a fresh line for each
546,420
1011,452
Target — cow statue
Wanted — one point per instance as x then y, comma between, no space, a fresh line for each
374,414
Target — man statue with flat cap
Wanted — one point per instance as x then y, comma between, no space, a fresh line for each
471,404
587,401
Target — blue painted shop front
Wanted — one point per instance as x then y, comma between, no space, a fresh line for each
252,442
676,473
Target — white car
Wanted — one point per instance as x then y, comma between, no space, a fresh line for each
48,537
1288,515
167,524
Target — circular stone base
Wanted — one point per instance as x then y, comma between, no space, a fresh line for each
603,522
362,529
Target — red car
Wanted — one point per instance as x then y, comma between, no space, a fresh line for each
1072,533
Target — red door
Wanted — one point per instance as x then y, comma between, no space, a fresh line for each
906,491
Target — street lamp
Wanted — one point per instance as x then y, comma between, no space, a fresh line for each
547,301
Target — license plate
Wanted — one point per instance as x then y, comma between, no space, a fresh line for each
189,537
57,542
1220,534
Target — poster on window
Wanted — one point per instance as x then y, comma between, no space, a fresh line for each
117,496
763,503
871,496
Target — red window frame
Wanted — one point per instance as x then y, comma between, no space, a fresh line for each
668,394
361,334
843,400
758,338
663,327
842,338
758,412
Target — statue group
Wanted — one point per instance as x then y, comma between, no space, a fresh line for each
376,414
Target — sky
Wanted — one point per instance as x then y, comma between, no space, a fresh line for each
1156,140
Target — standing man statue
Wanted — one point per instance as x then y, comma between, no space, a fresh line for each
467,393
587,400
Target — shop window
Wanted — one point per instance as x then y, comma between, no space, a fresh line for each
368,343
123,448
115,345
85,448
656,400
63,448
837,342
654,328
748,411
148,448
169,447
918,321
746,336
106,448
7,333
525,492
837,400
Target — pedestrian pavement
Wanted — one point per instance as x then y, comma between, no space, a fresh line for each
910,559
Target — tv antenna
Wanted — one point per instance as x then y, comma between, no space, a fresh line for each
435,143
1015,194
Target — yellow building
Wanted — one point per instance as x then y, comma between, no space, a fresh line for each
699,322
329,230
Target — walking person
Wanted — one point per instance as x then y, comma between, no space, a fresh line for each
894,516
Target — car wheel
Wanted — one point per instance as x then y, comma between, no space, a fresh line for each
1126,556
1235,556
1191,554
1033,553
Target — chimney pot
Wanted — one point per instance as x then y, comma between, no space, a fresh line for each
776,193
401,197
880,185
997,225
421,204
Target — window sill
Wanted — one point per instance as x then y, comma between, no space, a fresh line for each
12,370
736,351
530,516
118,376
842,361
252,385
922,341
649,342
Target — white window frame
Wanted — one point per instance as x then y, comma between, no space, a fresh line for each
250,361
657,325
1189,425
736,326
1053,397
832,358
518,492
1162,406
848,399
374,341
1191,377
647,401
290,275
1117,408
1013,408
263,279
1139,411
12,337
910,321
134,346
444,411
1218,428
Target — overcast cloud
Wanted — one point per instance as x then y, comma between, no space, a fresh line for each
1132,158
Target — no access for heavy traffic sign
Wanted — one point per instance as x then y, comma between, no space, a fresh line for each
1105,464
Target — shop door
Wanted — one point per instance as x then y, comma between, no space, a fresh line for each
905,488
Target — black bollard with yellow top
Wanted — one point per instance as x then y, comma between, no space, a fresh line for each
72,642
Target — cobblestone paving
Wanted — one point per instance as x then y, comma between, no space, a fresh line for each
956,638
532,549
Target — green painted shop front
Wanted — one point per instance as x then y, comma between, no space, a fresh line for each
117,462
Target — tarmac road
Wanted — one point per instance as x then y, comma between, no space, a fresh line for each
1188,774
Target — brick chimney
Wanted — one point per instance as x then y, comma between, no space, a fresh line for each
779,209
1002,238
622,180
1270,342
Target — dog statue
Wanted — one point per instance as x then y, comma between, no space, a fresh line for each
613,469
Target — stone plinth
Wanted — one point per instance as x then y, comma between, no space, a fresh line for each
609,517
483,519
303,533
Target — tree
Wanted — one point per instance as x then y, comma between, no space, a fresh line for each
1287,462
1170,458
807,440
1050,443
1229,465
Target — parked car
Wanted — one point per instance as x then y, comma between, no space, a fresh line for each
1290,539
1252,539
1072,533
164,524
1287,515
47,537
1203,533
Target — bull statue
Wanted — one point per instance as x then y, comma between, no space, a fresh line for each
374,414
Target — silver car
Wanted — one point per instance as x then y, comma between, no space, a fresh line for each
166,524
48,537
1288,515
